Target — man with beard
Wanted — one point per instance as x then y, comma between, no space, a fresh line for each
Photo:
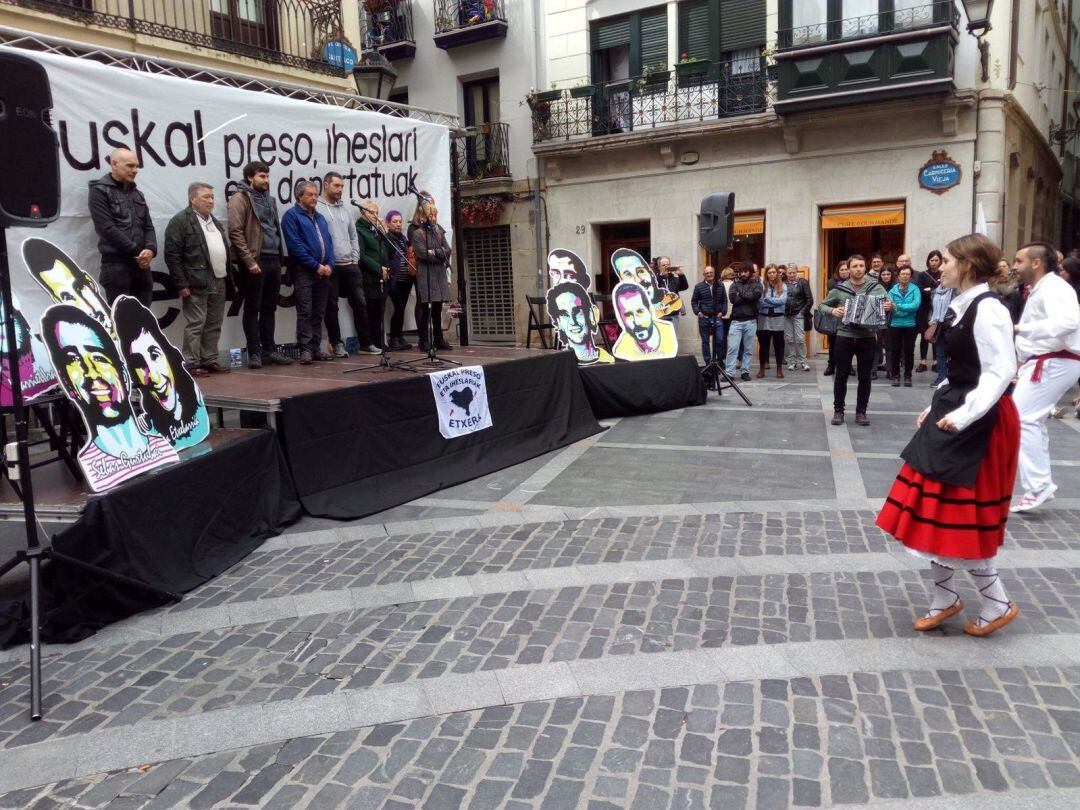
346,280
92,375
255,234
126,238
1048,347
632,269
643,336
575,317
743,296
565,265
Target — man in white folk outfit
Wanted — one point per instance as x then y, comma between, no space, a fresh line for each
1048,349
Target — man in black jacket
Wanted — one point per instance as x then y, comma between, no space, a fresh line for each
800,303
197,255
708,302
126,238
744,295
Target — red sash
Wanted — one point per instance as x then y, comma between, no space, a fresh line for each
1040,359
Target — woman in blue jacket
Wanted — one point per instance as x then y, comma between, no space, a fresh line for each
906,298
770,327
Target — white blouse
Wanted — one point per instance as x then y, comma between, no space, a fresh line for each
997,355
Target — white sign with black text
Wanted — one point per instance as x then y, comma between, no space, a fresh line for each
461,400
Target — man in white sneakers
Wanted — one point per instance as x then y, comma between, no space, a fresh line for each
1048,348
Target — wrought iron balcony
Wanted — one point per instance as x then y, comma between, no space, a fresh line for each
303,34
388,28
463,22
874,57
483,153
692,92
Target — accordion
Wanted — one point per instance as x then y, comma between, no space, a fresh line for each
865,311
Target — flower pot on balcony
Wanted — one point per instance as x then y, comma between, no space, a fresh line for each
691,74
585,91
547,96
498,171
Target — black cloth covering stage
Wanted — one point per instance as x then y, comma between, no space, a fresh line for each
175,529
358,451
646,386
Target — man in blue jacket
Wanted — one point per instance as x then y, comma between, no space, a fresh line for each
311,253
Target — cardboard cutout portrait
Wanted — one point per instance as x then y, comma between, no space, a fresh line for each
90,371
629,266
644,336
565,265
65,281
171,401
35,370
575,318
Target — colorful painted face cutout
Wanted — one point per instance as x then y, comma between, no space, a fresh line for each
65,281
91,373
35,370
171,400
644,336
575,317
565,265
630,267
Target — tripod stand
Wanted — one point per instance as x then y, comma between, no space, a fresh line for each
715,370
35,550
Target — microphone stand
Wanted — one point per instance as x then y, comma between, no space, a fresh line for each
385,363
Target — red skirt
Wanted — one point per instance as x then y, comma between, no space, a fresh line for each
961,522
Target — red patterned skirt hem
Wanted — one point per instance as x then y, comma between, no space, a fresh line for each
953,521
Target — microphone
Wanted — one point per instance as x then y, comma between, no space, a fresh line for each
358,205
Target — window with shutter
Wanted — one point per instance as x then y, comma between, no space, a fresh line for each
694,29
742,24
654,38
611,33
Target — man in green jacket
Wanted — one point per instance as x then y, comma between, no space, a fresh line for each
197,255
374,265
853,341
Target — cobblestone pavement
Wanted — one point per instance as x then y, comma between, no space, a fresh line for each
692,610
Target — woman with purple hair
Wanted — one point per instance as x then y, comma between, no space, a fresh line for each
400,283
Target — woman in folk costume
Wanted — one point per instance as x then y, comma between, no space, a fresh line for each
950,500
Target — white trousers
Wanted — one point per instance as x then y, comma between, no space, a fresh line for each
1034,401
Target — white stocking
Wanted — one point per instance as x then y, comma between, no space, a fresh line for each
944,596
993,598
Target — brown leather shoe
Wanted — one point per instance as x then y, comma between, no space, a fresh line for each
760,373
975,629
198,372
217,368
938,619
779,373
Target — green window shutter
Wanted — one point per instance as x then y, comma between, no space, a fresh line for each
654,38
694,29
742,24
611,33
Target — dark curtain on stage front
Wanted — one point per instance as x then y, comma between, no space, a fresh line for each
175,529
358,451
645,386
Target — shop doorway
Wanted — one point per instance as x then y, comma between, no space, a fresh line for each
632,235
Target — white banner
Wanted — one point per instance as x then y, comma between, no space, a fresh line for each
185,131
461,400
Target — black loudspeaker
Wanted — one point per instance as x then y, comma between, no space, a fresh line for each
715,220
29,159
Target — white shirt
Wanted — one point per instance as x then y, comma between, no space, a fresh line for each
1051,319
997,357
215,246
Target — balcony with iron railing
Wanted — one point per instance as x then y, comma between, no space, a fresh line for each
891,54
693,92
483,153
388,28
300,34
463,22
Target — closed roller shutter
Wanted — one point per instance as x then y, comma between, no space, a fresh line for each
491,283
742,24
654,38
694,29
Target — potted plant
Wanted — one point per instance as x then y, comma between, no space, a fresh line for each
497,169
690,71
653,80
582,91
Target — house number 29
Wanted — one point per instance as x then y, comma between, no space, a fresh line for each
579,230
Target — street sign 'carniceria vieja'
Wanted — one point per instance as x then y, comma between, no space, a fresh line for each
940,173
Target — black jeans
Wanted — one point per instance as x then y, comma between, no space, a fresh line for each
901,348
864,351
126,278
399,297
776,338
436,322
375,320
310,292
346,282
260,305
